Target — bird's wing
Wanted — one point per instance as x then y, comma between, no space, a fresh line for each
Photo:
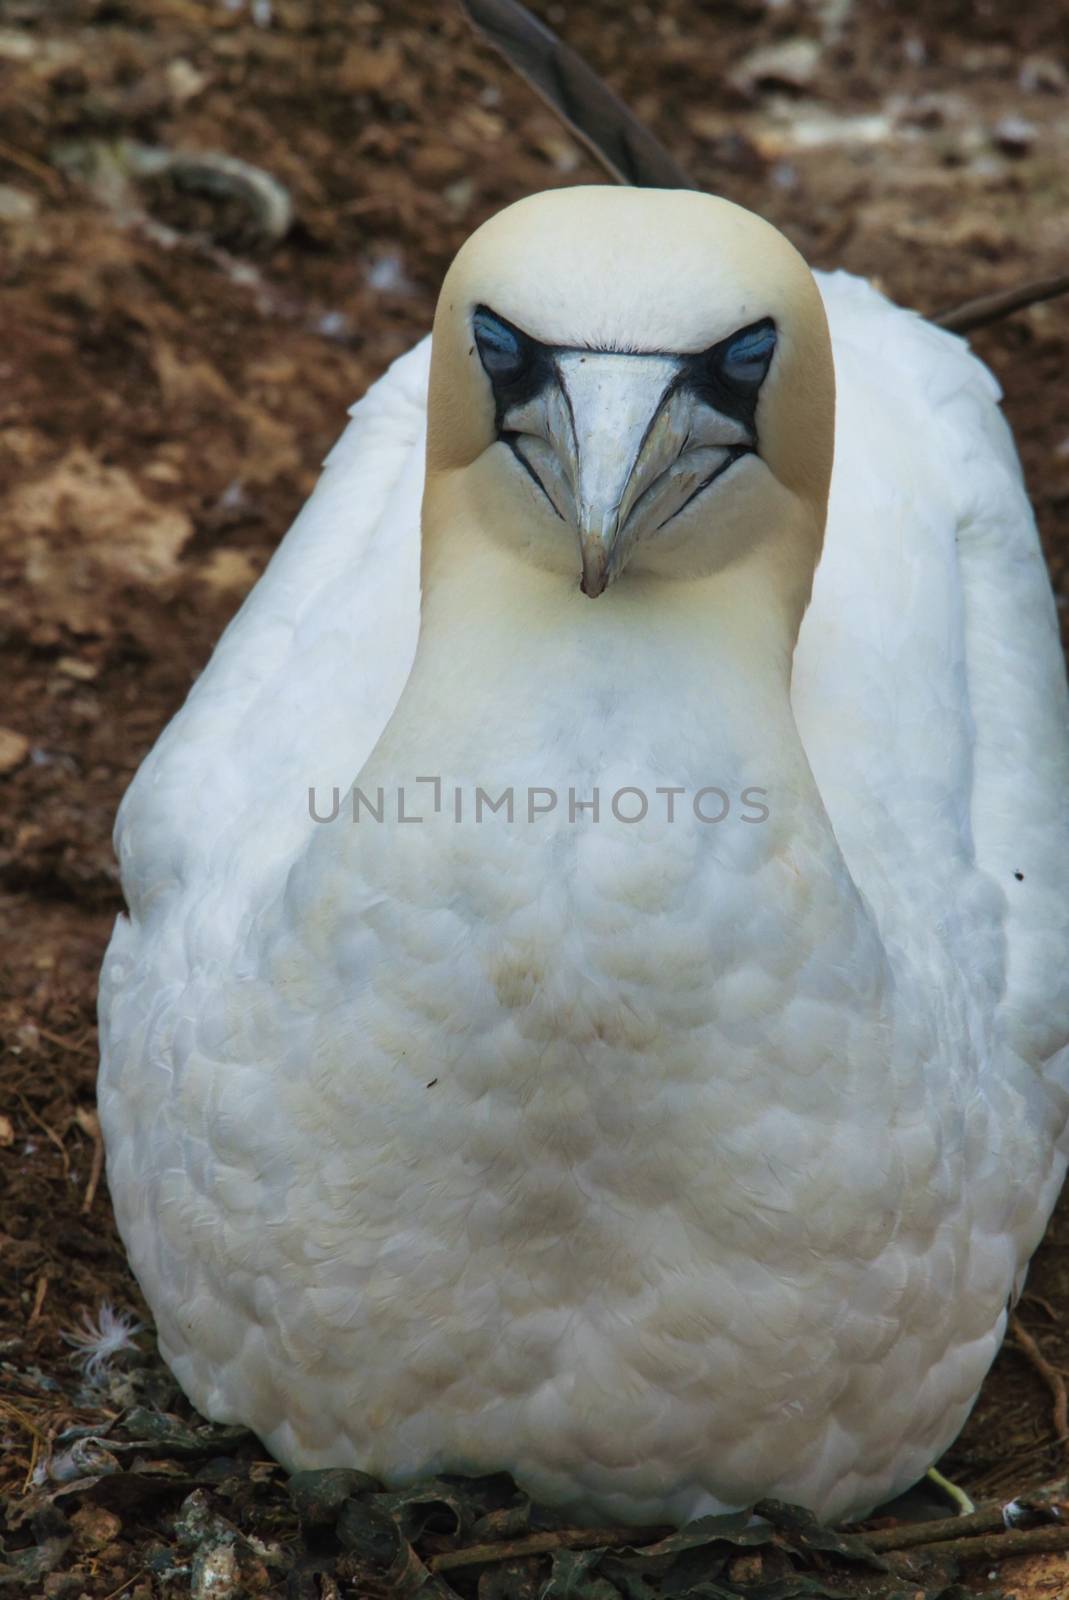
929,684
301,684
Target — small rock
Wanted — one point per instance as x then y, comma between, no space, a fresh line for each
791,64
15,204
65,1585
224,1566
14,748
748,1568
333,325
17,46
184,80
229,572
75,667
387,274
562,152
365,71
1015,135
1043,73
215,1574
94,1528
930,111
458,196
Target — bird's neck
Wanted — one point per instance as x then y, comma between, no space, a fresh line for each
515,665
523,684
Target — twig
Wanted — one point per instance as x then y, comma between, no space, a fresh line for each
23,1420
992,307
36,1446
89,1123
78,1049
19,158
1045,1305
537,1544
912,1533
1050,1375
38,1298
1000,1546
124,1586
50,1133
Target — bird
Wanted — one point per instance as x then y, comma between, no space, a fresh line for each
593,999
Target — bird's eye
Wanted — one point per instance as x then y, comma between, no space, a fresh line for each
517,365
502,348
744,359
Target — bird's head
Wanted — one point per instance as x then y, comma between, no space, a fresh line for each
633,381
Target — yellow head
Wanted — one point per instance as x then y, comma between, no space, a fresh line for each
633,381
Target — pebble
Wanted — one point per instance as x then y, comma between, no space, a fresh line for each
14,748
94,1528
792,64
1015,135
16,205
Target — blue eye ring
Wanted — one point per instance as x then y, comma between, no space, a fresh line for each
501,346
746,357
517,365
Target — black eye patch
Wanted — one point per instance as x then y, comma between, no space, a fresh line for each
728,376
517,365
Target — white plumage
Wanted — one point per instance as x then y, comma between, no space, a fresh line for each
666,1166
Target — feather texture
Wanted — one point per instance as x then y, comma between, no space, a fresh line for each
627,149
656,1267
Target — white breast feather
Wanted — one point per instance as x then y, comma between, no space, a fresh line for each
245,1057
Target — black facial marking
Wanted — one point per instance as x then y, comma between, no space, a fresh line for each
513,442
517,365
735,453
728,376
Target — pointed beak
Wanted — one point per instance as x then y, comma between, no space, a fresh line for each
615,405
598,530
619,445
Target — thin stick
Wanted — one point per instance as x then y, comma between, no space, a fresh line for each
82,1049
1050,1375
36,1447
912,1533
28,163
23,1420
50,1133
992,307
124,1586
38,1298
1038,1300
538,1544
1001,1546
95,1171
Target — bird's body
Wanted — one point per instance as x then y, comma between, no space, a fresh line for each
667,1163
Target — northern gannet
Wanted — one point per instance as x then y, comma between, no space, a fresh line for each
664,1159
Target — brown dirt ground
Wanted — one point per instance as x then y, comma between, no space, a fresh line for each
169,382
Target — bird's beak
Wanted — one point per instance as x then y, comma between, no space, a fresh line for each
618,416
620,444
